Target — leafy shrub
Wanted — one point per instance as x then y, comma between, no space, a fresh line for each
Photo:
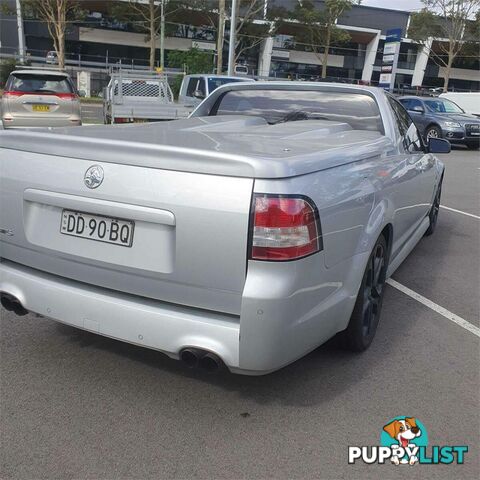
6,67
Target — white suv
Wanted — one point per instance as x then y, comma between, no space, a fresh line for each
40,98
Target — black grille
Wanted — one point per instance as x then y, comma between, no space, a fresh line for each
472,129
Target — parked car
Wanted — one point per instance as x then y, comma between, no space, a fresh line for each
240,69
467,101
442,118
51,57
435,91
246,235
40,98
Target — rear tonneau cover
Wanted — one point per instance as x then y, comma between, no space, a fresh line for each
230,146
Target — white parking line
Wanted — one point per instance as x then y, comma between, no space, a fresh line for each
436,308
459,211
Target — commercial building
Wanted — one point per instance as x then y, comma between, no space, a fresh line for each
99,39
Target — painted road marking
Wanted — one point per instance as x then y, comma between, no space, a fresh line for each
459,211
436,308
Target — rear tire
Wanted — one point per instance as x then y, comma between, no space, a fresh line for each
433,214
366,314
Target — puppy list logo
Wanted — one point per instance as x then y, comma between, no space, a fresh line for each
404,441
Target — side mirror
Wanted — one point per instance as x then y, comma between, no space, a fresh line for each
418,109
198,94
438,145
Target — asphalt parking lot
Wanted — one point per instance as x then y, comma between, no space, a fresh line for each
76,405
92,113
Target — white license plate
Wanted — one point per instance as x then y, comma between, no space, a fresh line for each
97,227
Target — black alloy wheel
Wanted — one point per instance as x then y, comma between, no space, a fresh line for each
366,314
433,214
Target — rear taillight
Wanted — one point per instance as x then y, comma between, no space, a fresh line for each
13,94
284,228
71,96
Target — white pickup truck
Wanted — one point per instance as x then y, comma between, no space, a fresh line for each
197,87
133,96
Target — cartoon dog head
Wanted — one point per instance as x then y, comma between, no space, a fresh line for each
403,430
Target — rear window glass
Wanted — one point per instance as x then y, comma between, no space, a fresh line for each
359,110
28,82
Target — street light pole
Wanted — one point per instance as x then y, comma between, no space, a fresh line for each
220,35
162,34
21,38
231,46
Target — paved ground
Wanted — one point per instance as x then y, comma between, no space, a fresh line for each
75,405
92,113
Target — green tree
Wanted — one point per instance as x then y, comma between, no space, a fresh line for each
471,49
191,61
6,67
248,33
448,21
147,16
57,14
321,30
212,13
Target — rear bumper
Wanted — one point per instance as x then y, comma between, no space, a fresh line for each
464,141
287,310
10,121
458,136
148,323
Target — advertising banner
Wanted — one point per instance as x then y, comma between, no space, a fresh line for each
391,50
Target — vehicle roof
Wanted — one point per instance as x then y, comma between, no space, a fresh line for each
229,77
41,71
416,97
459,93
423,99
296,83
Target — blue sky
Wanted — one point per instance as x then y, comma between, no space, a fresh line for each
395,4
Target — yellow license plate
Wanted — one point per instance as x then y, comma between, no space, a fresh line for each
41,108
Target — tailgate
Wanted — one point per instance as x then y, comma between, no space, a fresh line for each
41,106
189,230
152,109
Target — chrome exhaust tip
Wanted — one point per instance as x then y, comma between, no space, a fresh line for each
190,357
210,362
12,304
